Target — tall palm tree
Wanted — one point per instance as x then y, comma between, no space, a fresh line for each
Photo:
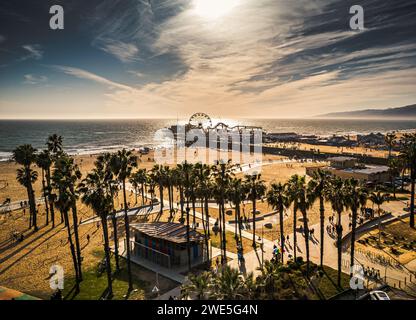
390,139
355,196
185,170
317,188
378,199
95,194
222,177
66,175
25,155
408,154
336,195
64,203
204,192
26,177
256,190
54,145
44,161
300,197
237,195
103,163
292,191
278,200
123,163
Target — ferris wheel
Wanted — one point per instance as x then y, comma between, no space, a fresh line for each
200,120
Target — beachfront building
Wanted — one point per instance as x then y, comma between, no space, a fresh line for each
165,244
347,167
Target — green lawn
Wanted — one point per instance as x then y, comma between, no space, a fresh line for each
94,284
328,283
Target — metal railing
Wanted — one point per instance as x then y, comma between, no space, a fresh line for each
153,255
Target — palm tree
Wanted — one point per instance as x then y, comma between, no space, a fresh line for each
223,174
355,196
292,191
26,177
278,200
236,194
44,161
378,199
256,190
390,139
317,188
25,156
157,174
185,170
198,285
336,196
66,175
123,163
64,203
54,144
103,163
394,170
408,154
228,284
300,197
95,194
55,147
204,192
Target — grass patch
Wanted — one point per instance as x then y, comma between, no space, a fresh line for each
231,243
328,283
94,284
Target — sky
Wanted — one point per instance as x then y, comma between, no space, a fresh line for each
227,58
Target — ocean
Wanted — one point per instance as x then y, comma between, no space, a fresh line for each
94,136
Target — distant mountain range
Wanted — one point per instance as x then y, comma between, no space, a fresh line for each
398,113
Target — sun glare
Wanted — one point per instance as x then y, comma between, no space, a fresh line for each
212,9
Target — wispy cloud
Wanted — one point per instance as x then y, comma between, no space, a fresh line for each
83,74
125,52
2,38
33,79
34,51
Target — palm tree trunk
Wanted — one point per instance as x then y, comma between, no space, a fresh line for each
412,201
127,227
32,205
208,226
254,220
188,245
114,222
239,225
282,236
224,236
161,198
322,226
142,195
78,247
44,197
339,247
306,227
50,199
353,230
72,248
107,256
294,234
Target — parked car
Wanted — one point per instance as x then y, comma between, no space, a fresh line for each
379,295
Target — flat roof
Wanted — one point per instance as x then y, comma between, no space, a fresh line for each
174,232
369,169
341,158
